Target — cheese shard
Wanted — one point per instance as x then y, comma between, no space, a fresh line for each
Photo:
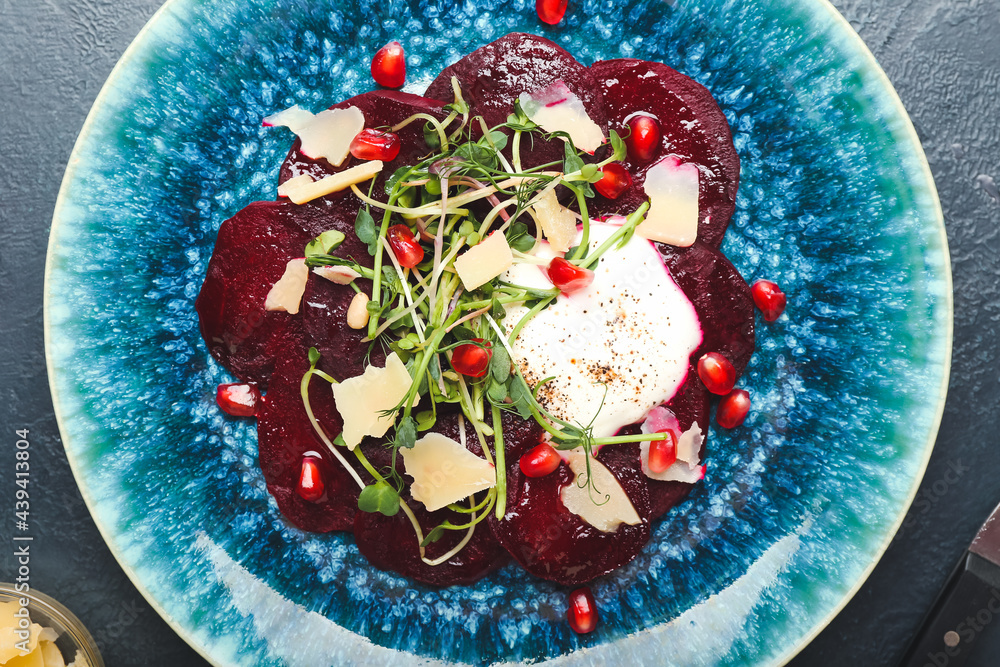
362,399
306,192
293,183
687,468
294,118
558,223
286,294
689,445
445,472
484,262
327,134
672,188
614,511
342,275
330,134
555,108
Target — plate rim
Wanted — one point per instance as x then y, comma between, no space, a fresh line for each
852,40
911,132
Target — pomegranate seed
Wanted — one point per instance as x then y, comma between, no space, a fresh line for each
311,485
662,453
582,612
375,145
404,246
733,409
551,11
643,142
540,461
769,298
389,66
717,373
568,277
614,181
472,360
237,399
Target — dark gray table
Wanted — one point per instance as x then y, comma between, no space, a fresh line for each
943,57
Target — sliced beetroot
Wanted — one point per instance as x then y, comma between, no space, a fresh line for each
693,128
551,542
251,252
382,109
390,543
725,309
720,296
324,309
689,405
494,76
285,435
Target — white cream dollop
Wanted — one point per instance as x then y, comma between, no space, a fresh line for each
623,341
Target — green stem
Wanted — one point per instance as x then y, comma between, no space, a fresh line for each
472,510
498,447
626,228
421,368
304,392
516,150
537,308
639,437
363,460
584,244
323,375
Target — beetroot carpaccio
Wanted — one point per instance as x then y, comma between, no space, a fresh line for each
525,282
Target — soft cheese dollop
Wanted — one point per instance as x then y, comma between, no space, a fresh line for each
555,108
624,340
445,472
362,400
612,507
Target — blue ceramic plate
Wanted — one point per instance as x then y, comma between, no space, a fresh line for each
836,204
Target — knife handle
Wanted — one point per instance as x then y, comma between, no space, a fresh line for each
962,612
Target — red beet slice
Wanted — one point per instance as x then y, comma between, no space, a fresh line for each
251,252
382,109
725,308
693,128
324,309
689,404
494,76
343,354
390,543
551,542
720,296
284,435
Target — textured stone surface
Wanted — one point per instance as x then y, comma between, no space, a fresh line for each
943,58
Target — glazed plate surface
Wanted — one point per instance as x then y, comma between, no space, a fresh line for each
836,204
